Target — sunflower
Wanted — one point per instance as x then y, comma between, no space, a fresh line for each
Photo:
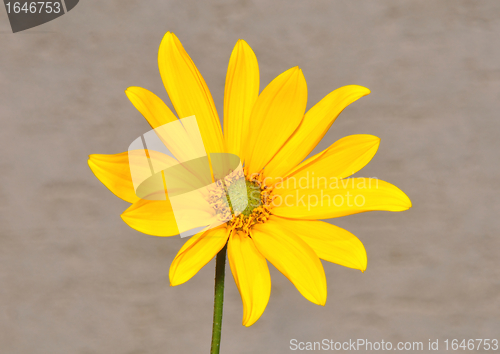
272,134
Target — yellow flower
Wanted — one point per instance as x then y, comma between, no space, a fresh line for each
272,134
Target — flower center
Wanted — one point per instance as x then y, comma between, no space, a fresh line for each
241,202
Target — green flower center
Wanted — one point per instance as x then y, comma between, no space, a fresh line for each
241,203
238,197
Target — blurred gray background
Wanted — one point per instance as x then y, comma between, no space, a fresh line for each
75,279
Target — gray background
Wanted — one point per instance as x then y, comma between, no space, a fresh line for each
75,279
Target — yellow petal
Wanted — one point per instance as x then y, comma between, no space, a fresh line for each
330,242
151,106
293,257
188,91
114,172
192,211
340,197
316,123
152,217
342,159
240,94
195,253
251,275
278,111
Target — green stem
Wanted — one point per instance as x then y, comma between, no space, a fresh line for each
220,265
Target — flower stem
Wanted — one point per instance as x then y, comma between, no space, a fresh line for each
220,265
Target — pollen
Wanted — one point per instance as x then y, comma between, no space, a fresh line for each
242,201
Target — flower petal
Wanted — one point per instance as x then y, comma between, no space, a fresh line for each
330,242
251,274
114,172
293,257
339,198
195,253
188,91
316,123
240,94
152,217
151,106
342,159
278,111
